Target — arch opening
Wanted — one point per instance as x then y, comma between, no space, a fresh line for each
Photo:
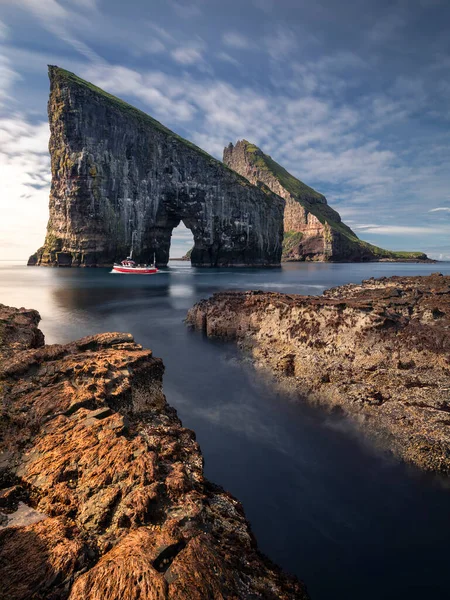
181,242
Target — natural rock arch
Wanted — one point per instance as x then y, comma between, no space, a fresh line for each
116,170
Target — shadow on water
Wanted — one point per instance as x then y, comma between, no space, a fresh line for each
323,503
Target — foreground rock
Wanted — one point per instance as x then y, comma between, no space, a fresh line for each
380,351
312,229
116,171
102,494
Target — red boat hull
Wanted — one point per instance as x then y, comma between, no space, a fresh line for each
135,270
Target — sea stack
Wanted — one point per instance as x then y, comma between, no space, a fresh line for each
312,229
117,172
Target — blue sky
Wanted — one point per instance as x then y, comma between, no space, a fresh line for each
353,97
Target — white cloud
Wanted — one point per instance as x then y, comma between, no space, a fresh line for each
4,31
233,39
152,46
187,55
59,21
440,209
328,75
25,176
161,93
281,43
7,78
406,230
362,225
225,57
186,10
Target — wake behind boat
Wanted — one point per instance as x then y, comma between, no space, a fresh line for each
129,266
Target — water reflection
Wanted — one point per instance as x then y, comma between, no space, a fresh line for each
323,503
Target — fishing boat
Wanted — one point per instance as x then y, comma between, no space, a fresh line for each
130,267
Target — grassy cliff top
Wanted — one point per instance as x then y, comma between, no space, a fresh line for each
266,163
303,194
58,74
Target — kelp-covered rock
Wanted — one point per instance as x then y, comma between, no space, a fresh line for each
116,171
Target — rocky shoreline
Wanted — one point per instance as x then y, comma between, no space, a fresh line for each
102,493
378,351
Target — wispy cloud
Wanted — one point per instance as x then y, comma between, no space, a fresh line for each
4,31
386,27
59,21
405,230
225,57
7,78
233,39
187,55
440,209
281,43
186,9
25,176
155,89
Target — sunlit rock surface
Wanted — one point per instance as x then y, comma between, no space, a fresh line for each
102,493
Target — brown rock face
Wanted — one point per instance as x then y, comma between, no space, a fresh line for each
119,508
380,351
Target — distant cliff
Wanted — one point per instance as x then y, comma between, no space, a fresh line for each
116,171
312,229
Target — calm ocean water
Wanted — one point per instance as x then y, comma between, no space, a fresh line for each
323,503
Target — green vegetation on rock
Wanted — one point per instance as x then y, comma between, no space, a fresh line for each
291,242
188,254
288,181
315,203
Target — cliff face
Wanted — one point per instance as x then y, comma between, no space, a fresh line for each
116,170
102,493
380,351
312,229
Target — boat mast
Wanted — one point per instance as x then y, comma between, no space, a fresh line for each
132,242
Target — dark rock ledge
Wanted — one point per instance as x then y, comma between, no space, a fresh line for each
379,351
102,493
